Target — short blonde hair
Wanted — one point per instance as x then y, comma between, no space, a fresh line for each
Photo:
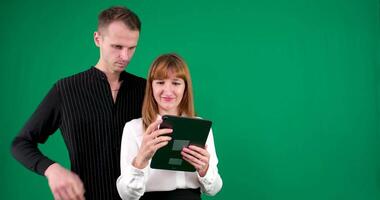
160,69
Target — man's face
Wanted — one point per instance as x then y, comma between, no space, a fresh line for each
117,44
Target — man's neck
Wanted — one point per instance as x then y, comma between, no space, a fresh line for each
112,76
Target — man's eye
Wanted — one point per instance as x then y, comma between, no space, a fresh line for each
117,46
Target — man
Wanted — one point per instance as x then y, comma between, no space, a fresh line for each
90,108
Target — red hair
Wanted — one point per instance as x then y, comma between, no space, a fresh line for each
159,70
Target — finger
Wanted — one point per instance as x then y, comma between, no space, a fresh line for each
189,161
83,190
78,188
157,140
160,145
163,139
196,154
80,194
193,159
57,195
62,193
82,197
195,165
70,192
153,126
200,150
160,132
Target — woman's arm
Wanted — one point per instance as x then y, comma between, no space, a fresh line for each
205,162
131,182
134,159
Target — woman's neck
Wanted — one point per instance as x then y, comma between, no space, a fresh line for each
175,113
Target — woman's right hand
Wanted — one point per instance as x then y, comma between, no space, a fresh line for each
153,140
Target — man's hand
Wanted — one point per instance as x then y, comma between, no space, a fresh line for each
64,184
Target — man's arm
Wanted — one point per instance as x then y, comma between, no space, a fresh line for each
63,183
44,122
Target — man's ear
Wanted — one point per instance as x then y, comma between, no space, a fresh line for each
97,38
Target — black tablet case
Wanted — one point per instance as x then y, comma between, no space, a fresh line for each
186,131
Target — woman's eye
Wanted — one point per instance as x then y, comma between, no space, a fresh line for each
177,83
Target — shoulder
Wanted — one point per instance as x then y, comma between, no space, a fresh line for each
135,86
133,128
75,78
134,124
134,81
132,77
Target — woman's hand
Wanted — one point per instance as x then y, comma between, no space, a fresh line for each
198,157
153,139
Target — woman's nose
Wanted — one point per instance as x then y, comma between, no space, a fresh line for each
168,87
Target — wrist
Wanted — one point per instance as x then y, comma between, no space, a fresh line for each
203,172
139,163
49,170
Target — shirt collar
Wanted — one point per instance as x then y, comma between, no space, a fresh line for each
101,75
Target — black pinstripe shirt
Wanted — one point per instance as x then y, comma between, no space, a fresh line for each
91,123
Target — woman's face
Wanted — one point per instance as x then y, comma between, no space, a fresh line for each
168,94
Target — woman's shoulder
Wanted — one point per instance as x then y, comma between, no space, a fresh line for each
135,123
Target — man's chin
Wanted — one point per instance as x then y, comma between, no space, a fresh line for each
119,68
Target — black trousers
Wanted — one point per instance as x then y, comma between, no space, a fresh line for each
178,194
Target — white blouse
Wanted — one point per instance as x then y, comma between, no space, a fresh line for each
134,182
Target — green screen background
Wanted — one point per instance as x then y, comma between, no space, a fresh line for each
292,87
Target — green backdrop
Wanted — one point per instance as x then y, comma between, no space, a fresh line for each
293,87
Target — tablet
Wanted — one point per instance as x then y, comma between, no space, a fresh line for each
186,131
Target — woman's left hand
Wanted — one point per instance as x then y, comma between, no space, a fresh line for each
198,157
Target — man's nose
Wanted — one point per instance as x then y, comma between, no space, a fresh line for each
124,54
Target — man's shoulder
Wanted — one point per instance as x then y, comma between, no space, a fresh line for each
89,75
134,78
75,77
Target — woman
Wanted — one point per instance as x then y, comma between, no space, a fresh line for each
168,92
